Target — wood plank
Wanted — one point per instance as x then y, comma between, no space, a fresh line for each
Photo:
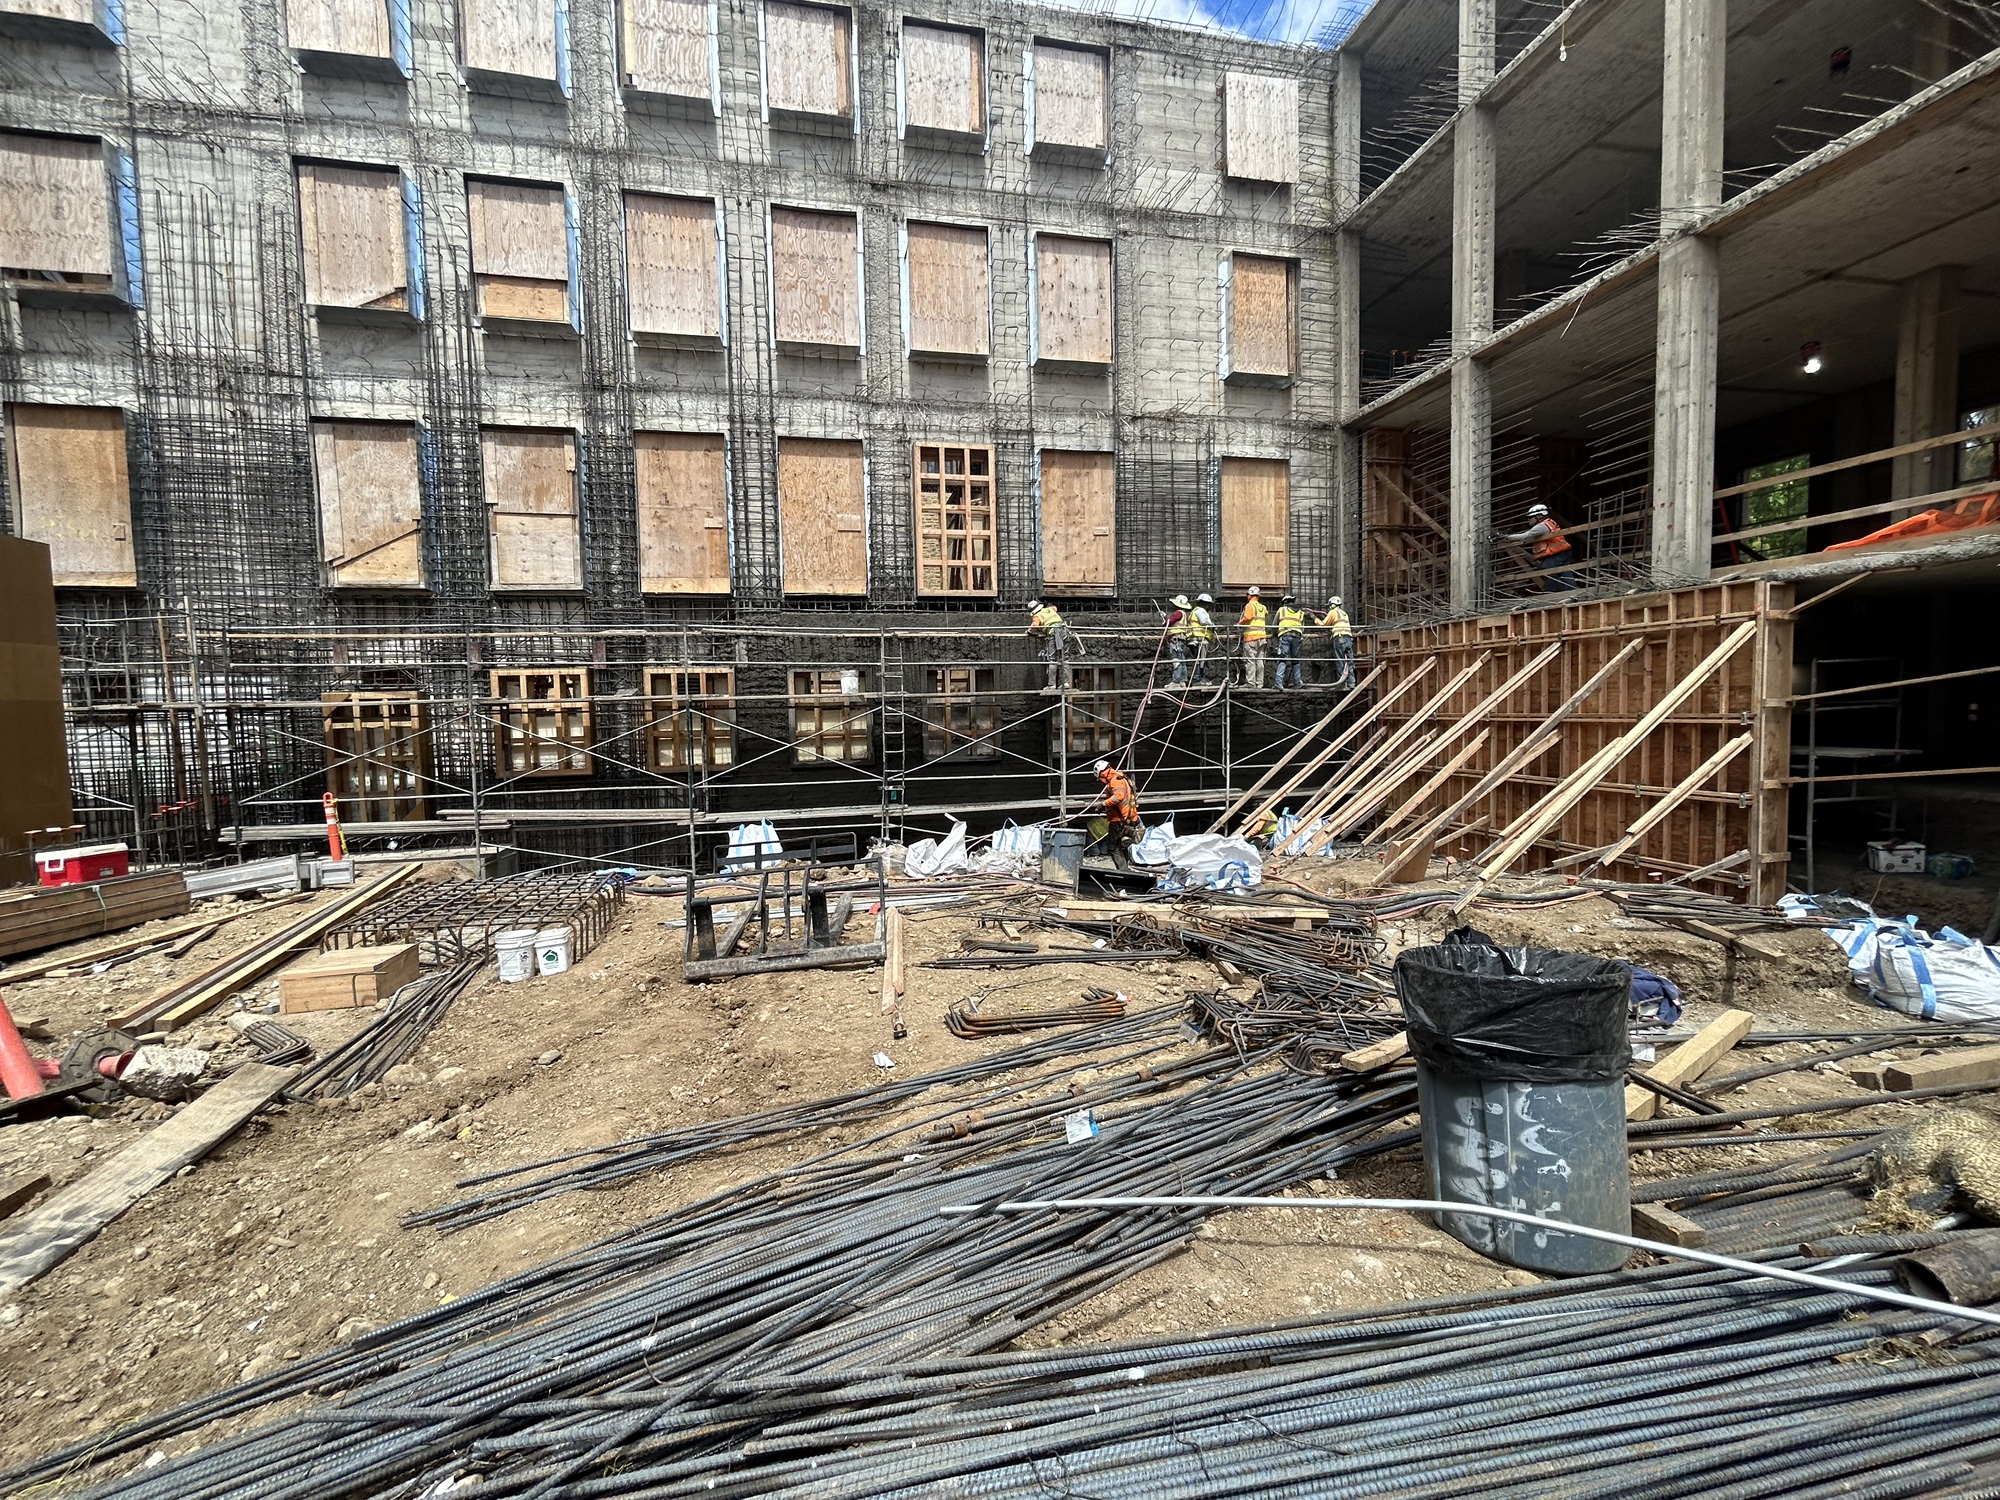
1260,118
72,491
944,79
48,1235
670,266
39,918
1263,316
519,229
1072,97
1072,300
683,493
1689,1061
515,37
807,59
815,280
353,237
949,293
371,508
1256,523
1652,1222
1878,508
1079,522
19,1189
1658,813
1729,939
1880,455
663,47
822,509
1377,1055
527,299
1971,1065
1367,717
530,486
353,28
55,205
206,922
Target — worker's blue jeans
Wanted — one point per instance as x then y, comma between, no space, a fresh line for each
1288,661
1185,654
1556,577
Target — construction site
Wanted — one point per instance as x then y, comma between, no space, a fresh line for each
578,585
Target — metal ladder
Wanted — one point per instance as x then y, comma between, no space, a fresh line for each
893,696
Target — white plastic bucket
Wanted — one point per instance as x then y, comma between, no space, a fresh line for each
552,950
515,949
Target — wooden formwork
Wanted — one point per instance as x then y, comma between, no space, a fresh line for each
1741,809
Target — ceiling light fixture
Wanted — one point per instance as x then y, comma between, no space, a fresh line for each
1809,359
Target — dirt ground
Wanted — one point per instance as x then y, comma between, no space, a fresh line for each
286,1239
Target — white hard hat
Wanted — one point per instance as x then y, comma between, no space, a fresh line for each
1034,604
1180,601
1254,591
1101,767
1204,598
1538,510
1333,598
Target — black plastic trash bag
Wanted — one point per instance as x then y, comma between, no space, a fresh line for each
1515,1015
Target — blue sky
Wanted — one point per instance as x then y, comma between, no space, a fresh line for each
1323,21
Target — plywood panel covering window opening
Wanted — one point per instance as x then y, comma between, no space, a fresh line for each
71,491
353,28
664,46
954,490
1072,301
516,38
1263,318
520,249
815,281
1260,127
378,755
542,722
683,484
831,719
691,718
371,509
670,267
822,511
352,231
949,291
808,60
944,80
961,714
1079,510
55,211
1256,511
530,477
1071,98
1089,715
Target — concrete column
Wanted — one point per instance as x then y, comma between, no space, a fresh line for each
1472,242
1690,294
1927,380
1346,561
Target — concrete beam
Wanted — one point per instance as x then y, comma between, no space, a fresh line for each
1927,380
1473,195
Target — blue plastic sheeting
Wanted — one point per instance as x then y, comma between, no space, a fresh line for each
399,35
125,186
413,236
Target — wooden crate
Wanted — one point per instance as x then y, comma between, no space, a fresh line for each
346,977
47,916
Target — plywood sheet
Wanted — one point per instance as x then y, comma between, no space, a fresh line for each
55,206
516,37
352,232
370,504
518,229
1071,94
355,28
665,46
670,265
530,481
1262,316
808,66
822,511
949,290
1260,118
72,491
1073,300
1256,518
1079,519
682,480
816,279
944,79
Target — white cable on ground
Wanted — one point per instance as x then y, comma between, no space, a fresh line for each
1947,1310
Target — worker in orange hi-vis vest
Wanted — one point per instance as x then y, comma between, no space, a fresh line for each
1121,809
1255,623
1550,549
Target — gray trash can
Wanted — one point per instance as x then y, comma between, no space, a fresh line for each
1062,856
1521,1058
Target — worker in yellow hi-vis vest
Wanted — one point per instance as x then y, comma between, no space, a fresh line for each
1046,624
1255,622
1291,644
1342,629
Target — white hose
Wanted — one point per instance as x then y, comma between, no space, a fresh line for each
1947,1310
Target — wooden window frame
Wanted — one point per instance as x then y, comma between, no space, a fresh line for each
709,692
965,564
962,713
378,754
1090,715
515,711
824,712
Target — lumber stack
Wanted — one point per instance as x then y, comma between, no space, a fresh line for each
31,920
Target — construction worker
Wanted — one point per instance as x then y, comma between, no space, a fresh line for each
1121,811
1550,548
1255,623
1291,643
1335,620
1204,633
1189,632
1046,624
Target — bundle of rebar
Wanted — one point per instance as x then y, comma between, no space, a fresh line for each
973,1016
368,1055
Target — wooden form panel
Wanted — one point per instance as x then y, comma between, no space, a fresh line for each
822,517
1072,98
944,80
1072,301
530,479
682,479
949,290
671,283
955,525
1742,809
1263,317
1260,127
371,509
512,37
664,47
542,721
1405,510
1079,519
815,280
378,755
1256,523
353,28
690,718
520,249
352,231
55,206
809,60
71,490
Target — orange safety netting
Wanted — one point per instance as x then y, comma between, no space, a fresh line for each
1979,510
